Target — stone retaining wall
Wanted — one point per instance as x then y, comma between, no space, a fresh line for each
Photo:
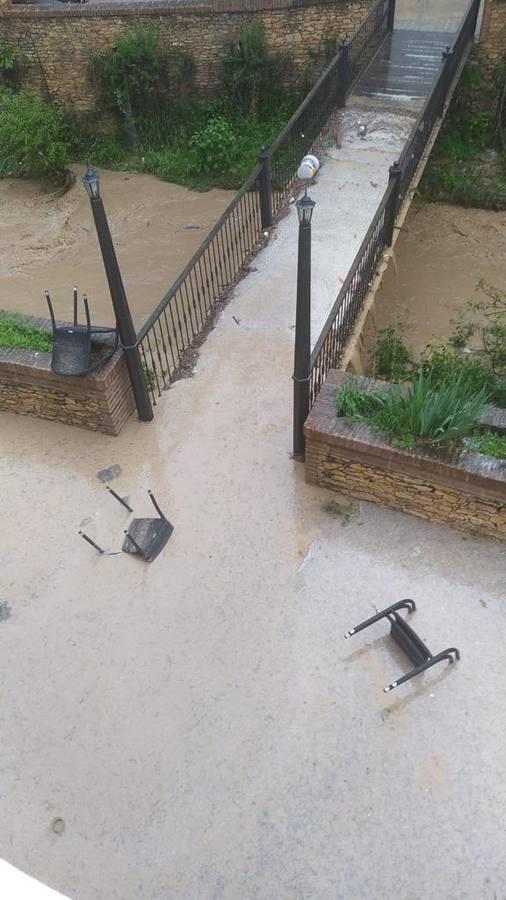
55,44
469,494
101,401
492,41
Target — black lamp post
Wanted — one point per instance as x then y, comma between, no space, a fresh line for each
124,322
302,355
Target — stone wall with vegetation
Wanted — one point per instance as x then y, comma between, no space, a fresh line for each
101,401
493,32
54,45
350,459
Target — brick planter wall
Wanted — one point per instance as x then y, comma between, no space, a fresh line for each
352,459
54,44
101,401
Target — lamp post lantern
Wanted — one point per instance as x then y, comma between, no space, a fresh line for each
124,323
302,354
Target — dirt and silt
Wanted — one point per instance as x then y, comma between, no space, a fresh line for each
50,242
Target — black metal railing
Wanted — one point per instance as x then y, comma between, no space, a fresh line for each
342,318
185,311
187,307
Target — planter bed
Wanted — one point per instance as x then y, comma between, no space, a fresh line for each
468,492
100,401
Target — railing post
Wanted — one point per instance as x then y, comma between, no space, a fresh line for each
265,188
122,313
475,18
391,15
302,353
394,177
446,56
343,72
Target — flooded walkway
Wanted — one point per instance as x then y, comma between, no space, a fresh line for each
405,67
200,724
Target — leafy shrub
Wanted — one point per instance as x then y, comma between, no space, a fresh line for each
108,151
8,65
138,77
493,332
392,359
18,332
422,413
253,75
214,147
35,138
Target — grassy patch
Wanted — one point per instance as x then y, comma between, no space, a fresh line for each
18,332
459,170
208,145
490,443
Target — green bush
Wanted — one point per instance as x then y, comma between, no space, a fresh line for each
18,332
422,413
392,359
8,65
35,138
254,75
214,147
138,77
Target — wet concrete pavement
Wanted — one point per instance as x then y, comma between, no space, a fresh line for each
199,723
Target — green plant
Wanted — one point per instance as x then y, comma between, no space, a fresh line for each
490,443
354,402
106,151
214,146
35,138
7,64
493,332
18,332
392,359
461,335
445,367
139,78
420,413
252,74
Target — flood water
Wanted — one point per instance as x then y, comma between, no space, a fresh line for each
50,242
441,254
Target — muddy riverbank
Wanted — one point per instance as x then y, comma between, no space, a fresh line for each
50,242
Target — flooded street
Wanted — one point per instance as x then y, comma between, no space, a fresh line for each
440,256
50,242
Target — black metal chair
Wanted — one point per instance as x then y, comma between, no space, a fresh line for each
408,640
147,537
72,344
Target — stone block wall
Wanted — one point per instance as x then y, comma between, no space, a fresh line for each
101,401
55,44
492,40
353,460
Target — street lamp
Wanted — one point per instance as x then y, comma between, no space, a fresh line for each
302,353
124,323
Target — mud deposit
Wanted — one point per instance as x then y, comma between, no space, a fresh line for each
50,242
440,256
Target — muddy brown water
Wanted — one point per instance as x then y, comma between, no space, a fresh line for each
50,242
442,253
